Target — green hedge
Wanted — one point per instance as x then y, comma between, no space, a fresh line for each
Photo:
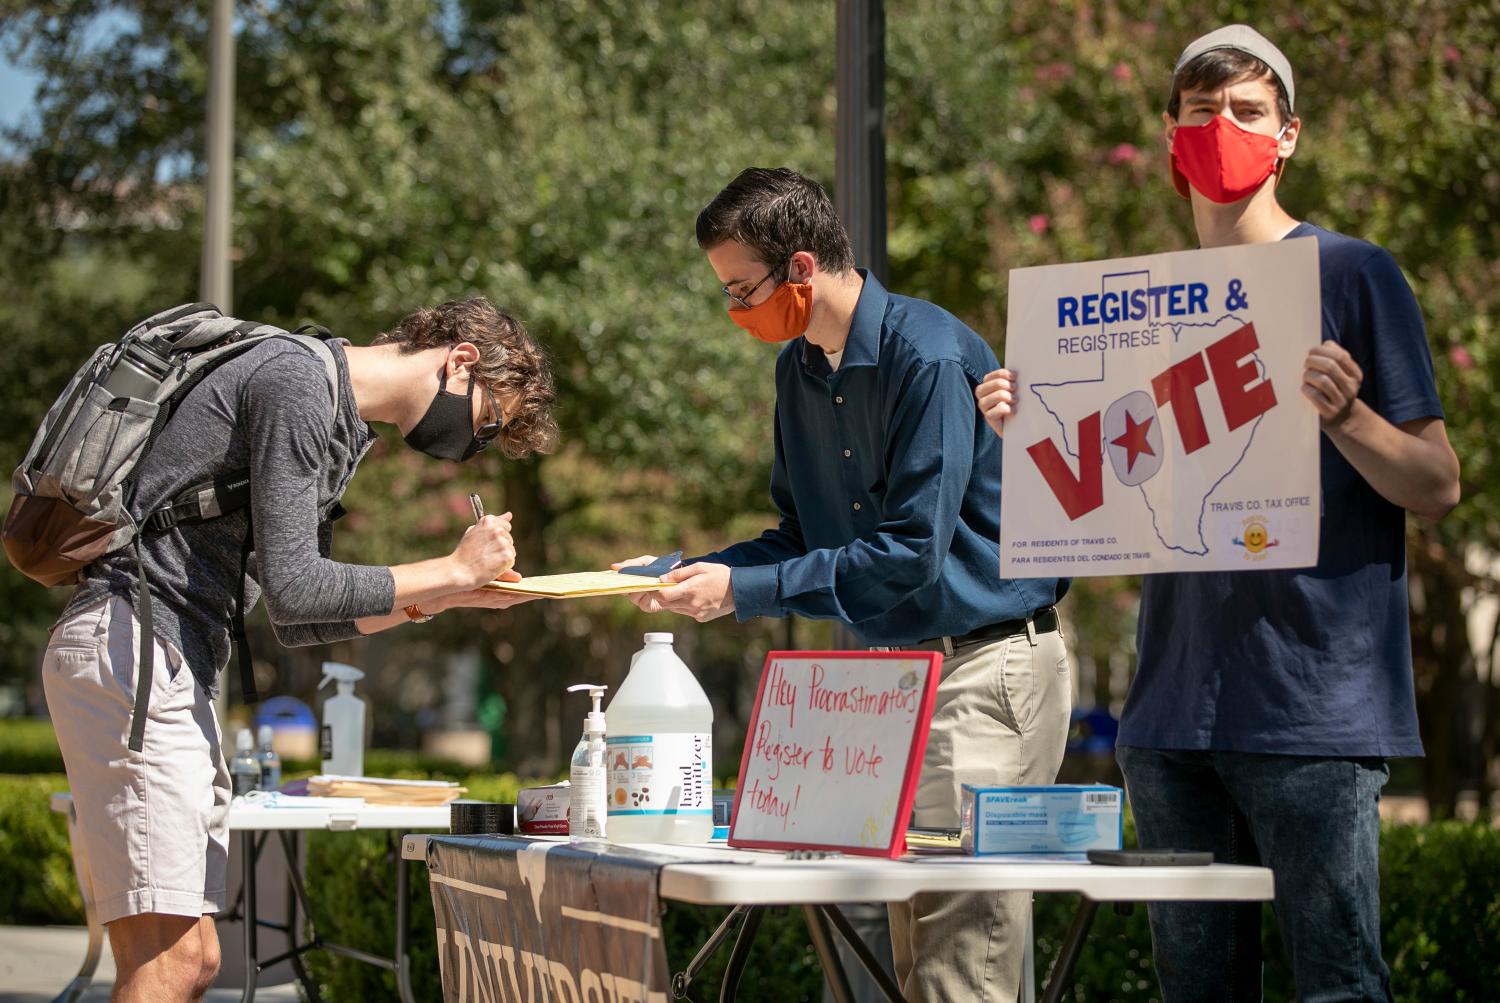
37,884
27,745
1440,889
355,900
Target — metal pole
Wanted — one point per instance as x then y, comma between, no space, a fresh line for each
215,283
859,156
859,150
859,196
214,275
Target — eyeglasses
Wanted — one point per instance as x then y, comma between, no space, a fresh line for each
487,432
741,300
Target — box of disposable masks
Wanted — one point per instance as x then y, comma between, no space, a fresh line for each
1061,818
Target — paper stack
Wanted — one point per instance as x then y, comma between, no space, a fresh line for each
578,584
378,790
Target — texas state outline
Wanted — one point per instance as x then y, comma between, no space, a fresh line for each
1199,546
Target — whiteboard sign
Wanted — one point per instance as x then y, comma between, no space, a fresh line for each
834,750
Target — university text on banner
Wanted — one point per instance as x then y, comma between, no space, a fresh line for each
521,920
1159,421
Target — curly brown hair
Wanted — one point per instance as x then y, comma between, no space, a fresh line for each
511,364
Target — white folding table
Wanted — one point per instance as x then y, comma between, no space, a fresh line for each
752,880
252,824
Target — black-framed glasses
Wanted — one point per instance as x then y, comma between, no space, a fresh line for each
740,300
487,432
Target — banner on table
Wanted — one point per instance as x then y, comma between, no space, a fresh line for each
1159,421
519,921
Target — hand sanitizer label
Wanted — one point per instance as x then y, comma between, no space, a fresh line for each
667,774
587,796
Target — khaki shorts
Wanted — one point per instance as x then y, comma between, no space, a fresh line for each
153,825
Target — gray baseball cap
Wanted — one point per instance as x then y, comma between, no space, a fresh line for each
1241,38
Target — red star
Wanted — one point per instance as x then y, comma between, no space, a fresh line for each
1134,440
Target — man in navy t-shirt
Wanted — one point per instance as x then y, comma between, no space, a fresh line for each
1265,703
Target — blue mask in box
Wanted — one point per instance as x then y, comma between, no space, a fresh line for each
1074,828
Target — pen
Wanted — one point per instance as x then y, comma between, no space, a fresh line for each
478,507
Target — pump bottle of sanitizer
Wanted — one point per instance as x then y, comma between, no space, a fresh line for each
587,775
342,740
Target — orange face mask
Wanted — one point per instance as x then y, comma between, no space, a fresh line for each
783,316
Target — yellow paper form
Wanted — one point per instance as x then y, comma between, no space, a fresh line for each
578,584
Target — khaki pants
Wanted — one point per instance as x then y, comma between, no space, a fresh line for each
1002,719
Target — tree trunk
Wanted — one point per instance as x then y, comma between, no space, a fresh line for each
528,646
1442,662
1489,732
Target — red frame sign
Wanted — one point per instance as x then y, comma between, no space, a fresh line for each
848,727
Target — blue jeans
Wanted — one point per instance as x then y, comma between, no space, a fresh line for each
1314,821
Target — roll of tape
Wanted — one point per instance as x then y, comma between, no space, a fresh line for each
477,818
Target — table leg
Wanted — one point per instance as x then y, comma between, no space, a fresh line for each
251,920
729,989
1062,972
862,952
291,843
75,989
822,941
682,982
403,929
1028,956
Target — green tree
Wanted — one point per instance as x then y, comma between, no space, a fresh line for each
1038,140
553,156
550,156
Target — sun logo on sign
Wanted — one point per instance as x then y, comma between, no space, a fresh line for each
1256,539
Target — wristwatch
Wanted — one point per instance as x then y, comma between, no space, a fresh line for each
417,616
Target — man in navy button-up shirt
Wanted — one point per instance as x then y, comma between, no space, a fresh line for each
887,482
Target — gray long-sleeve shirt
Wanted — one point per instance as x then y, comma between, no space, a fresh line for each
268,410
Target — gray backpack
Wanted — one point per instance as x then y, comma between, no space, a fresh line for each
75,488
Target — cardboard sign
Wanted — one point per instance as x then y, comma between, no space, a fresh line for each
1160,423
834,750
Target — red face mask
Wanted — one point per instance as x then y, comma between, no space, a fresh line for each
1222,161
783,316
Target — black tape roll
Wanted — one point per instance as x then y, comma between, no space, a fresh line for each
475,818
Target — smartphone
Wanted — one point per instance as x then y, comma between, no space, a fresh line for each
1151,858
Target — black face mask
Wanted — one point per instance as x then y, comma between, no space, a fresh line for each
446,431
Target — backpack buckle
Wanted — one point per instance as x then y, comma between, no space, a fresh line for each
162,520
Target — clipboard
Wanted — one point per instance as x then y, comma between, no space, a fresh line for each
578,584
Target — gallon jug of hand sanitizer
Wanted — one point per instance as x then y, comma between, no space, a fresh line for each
660,751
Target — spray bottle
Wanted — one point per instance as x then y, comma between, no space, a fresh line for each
343,737
588,804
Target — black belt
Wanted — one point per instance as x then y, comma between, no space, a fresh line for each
1043,621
